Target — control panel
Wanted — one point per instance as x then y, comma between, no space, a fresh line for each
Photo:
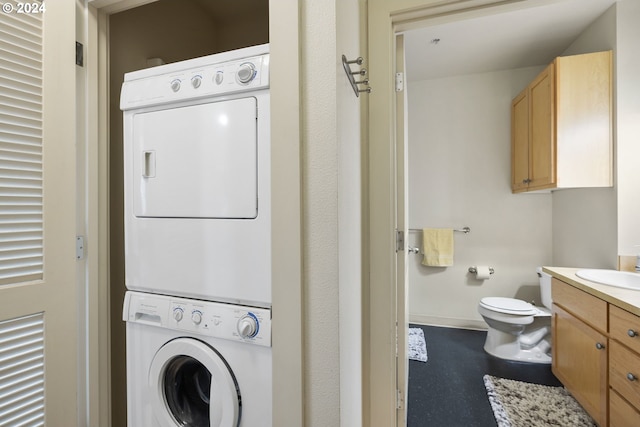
203,78
226,321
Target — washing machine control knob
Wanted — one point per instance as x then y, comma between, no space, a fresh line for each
196,317
248,326
175,85
246,72
177,314
196,81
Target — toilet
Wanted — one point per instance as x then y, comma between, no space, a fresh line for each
519,330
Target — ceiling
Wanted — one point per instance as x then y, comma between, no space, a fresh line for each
529,36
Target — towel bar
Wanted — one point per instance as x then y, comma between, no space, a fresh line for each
464,230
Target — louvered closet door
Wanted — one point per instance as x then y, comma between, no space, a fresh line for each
38,303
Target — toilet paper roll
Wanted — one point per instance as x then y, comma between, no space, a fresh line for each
483,272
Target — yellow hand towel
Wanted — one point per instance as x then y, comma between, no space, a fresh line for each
437,247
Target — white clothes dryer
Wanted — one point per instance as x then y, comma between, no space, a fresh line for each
197,174
197,363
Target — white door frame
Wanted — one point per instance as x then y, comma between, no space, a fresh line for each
287,343
386,19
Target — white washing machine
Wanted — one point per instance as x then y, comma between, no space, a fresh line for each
197,178
197,363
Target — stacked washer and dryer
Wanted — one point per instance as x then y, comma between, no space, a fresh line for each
198,241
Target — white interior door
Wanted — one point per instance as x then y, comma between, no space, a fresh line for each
38,302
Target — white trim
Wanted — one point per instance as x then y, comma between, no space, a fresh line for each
288,351
447,322
385,19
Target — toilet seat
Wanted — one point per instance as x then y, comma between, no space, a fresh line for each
508,306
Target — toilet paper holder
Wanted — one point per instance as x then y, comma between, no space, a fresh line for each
473,270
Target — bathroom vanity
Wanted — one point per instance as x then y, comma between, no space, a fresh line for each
596,346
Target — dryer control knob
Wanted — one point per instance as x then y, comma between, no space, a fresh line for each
248,326
177,314
175,85
246,72
219,77
196,81
196,317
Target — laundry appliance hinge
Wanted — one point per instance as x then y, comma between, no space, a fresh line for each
79,247
79,54
399,82
399,399
399,240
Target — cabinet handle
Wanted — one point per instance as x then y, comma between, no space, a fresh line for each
526,181
631,377
599,346
632,333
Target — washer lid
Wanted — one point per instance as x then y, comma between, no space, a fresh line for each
508,305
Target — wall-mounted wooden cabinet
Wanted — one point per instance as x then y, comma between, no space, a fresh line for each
561,126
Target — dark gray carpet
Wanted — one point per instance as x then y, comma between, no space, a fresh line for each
448,390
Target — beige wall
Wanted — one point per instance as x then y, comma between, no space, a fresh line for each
592,227
628,125
460,175
349,142
320,220
172,31
585,220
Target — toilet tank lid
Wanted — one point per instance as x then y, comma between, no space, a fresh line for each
508,305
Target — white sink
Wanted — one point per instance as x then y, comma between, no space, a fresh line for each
619,279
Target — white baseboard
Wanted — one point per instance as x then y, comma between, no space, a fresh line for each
449,322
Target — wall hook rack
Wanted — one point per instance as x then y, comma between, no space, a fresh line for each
346,64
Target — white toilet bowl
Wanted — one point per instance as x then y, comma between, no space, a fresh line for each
518,330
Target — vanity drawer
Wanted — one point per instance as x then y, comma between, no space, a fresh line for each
624,327
590,309
621,414
624,372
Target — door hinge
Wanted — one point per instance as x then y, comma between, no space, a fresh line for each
79,247
399,82
79,54
399,399
399,240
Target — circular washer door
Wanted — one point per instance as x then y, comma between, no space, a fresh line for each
192,385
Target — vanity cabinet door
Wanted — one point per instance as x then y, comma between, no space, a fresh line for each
624,327
624,372
580,362
622,414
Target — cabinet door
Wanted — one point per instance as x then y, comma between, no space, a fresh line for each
584,120
622,414
580,362
520,142
542,151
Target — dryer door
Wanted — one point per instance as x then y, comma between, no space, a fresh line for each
192,385
198,161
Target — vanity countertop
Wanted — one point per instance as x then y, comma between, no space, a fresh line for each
627,299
